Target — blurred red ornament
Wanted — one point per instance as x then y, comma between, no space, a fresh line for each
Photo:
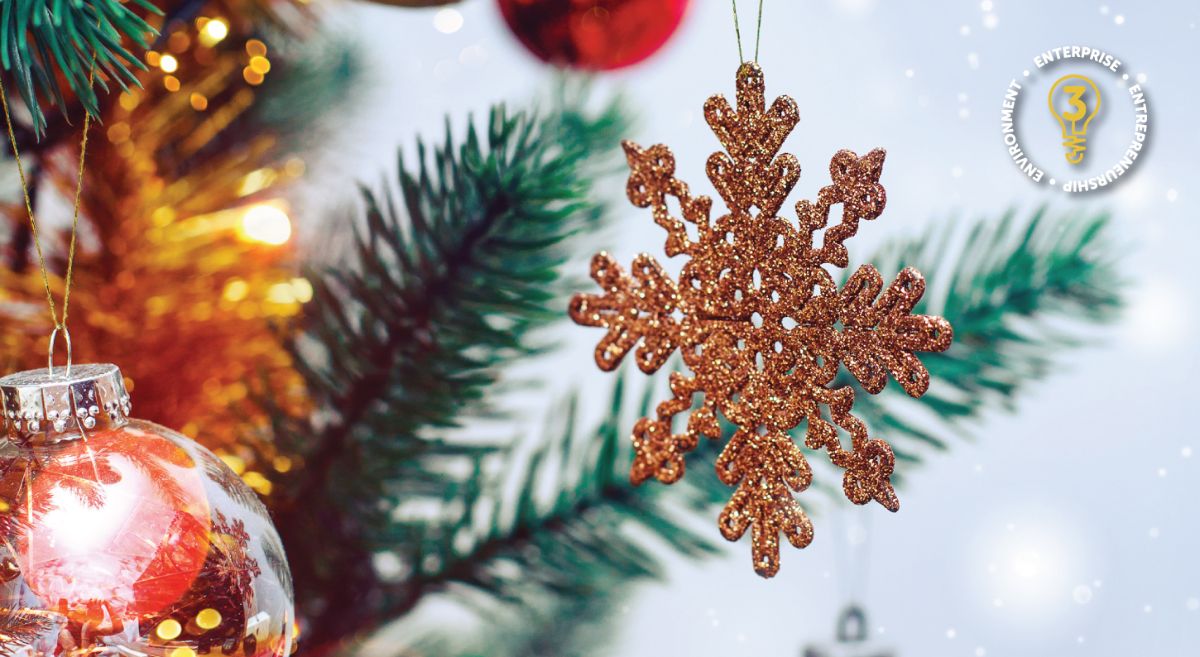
593,34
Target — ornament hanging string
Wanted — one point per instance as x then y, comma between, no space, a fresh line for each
737,31
59,324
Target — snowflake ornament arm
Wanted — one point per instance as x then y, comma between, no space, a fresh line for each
760,322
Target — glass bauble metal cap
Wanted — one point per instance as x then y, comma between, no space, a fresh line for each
53,405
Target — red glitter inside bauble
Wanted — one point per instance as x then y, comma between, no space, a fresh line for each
593,34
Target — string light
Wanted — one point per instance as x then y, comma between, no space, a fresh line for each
168,63
266,223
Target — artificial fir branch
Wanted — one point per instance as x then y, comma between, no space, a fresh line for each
1013,284
1009,282
406,340
46,43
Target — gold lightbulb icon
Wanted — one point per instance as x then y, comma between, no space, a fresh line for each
1076,112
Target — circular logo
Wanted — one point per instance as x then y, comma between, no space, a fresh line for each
1091,131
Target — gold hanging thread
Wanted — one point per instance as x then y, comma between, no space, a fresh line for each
59,324
760,322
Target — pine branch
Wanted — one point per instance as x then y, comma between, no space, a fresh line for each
45,43
408,338
1012,286
1009,284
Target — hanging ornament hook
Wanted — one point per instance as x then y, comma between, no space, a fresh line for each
50,352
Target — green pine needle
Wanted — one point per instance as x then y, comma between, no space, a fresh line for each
449,280
46,43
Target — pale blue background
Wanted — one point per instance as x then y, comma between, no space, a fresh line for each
1091,483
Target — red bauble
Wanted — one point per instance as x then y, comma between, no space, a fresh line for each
593,34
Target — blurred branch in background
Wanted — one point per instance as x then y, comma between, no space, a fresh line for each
557,560
406,340
185,255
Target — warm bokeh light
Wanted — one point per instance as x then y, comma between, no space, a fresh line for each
260,64
208,619
169,629
214,31
168,63
266,223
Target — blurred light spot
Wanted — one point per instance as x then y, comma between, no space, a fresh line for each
1082,594
214,31
118,132
168,629
908,73
294,167
302,290
236,290
448,21
973,60
1192,604
129,99
179,41
472,55
162,216
171,83
951,633
964,30
1158,316
183,651
199,102
153,58
256,48
260,64
1119,19
252,76
1186,452
1172,195
168,63
281,293
258,482
282,463
1027,564
266,223
986,5
208,619
256,181
1148,608
1154,533
1103,10
235,463
1162,472
990,21
980,652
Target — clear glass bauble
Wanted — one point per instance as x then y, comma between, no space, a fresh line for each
134,540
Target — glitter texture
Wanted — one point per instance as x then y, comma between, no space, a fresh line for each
760,322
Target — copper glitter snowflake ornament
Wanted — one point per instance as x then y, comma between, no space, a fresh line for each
760,322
